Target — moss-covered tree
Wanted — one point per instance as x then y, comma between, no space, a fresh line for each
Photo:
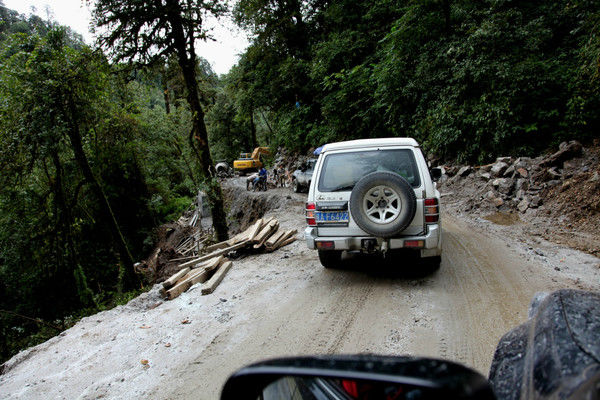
145,31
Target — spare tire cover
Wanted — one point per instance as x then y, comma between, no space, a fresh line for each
383,204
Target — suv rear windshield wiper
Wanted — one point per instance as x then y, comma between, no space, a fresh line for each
340,188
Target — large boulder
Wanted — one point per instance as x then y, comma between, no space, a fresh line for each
498,168
523,162
451,170
536,201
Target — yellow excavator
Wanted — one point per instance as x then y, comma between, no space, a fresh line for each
250,162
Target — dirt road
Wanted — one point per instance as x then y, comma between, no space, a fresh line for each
285,303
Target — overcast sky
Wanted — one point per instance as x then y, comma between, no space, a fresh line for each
221,54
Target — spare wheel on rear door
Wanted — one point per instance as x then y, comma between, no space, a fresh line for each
383,204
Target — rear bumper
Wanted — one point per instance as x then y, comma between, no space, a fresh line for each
432,240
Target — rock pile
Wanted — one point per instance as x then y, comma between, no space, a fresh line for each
291,160
515,183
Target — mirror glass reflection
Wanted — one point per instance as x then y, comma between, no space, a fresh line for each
320,388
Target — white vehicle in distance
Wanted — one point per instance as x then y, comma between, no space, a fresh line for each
373,195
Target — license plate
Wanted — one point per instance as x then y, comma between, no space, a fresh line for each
331,216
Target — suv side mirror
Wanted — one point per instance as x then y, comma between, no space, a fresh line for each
361,376
436,173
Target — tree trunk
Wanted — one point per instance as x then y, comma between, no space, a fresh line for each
185,161
198,134
266,122
106,210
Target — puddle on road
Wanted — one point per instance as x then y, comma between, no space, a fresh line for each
501,218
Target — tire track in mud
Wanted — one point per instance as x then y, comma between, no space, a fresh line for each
482,292
337,323
457,306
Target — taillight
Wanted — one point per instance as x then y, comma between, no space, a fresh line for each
310,214
431,210
414,243
327,244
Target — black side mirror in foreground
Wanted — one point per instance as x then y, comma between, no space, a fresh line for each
355,377
436,173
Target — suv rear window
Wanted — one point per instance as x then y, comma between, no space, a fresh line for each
341,171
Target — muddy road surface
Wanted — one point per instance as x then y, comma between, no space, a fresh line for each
284,303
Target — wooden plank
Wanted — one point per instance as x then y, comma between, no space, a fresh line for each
216,246
192,277
288,235
266,232
281,239
286,242
176,290
273,239
206,271
194,219
175,277
189,244
185,258
214,254
257,227
210,264
200,277
266,222
245,235
183,244
234,239
240,236
262,242
211,285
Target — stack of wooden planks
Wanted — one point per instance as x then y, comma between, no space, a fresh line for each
210,268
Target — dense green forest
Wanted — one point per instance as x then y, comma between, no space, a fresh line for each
101,144
91,163
468,79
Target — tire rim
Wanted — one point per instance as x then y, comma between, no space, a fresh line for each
382,204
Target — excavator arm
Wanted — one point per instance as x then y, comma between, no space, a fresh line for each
251,163
258,151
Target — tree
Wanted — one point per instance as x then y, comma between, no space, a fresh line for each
145,31
51,107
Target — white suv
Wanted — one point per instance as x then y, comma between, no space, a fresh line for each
373,195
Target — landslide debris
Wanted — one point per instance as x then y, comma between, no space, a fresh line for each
556,196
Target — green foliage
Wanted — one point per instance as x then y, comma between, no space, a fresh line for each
58,257
469,79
